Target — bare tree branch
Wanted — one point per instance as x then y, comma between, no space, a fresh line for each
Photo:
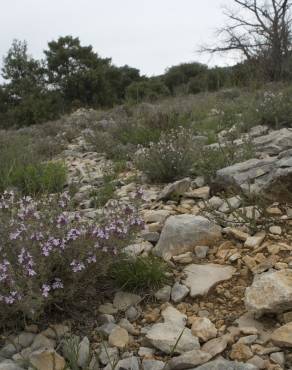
259,30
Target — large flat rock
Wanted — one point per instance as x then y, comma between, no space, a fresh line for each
164,336
282,336
221,364
274,142
183,233
201,278
270,292
272,176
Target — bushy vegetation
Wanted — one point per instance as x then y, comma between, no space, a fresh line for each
49,255
22,166
142,274
40,178
211,159
171,158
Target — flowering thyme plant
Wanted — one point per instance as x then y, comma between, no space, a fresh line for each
170,158
49,254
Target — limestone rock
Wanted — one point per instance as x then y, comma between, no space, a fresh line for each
159,215
221,364
199,193
183,233
256,240
165,336
230,204
201,251
203,328
174,317
163,294
9,365
130,363
135,250
282,336
275,142
201,278
184,258
270,292
119,337
240,352
216,346
179,292
175,189
124,300
108,354
188,360
152,365
47,360
270,176
41,342
24,339
83,353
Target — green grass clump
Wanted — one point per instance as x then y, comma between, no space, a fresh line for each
101,196
40,178
22,166
142,274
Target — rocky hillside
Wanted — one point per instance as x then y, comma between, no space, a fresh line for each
227,243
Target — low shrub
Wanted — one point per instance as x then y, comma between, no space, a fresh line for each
141,274
40,178
211,159
51,256
172,157
275,109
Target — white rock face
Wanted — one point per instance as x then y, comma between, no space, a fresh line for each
183,233
201,278
270,292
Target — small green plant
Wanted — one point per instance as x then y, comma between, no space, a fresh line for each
169,159
71,351
101,196
141,274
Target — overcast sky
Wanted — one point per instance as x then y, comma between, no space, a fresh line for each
150,35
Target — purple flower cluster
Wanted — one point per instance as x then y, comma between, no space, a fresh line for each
45,245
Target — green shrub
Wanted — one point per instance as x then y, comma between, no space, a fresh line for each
141,274
275,109
40,178
169,159
148,90
212,159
